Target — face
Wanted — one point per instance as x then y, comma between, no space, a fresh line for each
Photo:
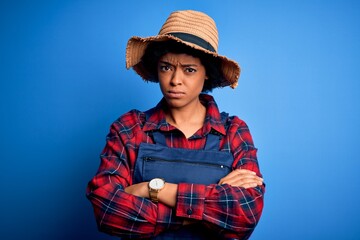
181,79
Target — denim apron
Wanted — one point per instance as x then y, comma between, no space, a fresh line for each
179,165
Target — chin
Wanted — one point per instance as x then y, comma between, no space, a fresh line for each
174,103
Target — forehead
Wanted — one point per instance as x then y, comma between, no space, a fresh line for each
180,58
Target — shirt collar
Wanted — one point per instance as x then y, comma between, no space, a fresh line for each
155,118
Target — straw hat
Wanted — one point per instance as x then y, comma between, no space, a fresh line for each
192,28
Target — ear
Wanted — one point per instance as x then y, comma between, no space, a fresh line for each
206,78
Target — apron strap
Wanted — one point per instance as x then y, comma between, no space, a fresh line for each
159,138
212,141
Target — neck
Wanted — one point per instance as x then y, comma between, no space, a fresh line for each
183,115
187,120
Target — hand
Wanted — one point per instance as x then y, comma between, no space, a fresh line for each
167,195
139,189
242,178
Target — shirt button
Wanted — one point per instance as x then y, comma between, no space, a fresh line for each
189,211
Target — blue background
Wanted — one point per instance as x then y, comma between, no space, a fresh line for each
63,82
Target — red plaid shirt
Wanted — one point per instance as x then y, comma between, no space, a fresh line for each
232,211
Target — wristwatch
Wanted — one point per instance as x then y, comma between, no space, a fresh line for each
155,186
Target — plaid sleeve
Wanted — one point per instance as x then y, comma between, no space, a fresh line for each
116,212
190,200
232,211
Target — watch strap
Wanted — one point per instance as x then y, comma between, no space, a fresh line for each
153,195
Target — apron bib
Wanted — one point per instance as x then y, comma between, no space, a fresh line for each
179,165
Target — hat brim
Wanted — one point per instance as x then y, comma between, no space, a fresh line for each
136,47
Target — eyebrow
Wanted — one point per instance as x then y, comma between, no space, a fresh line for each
182,65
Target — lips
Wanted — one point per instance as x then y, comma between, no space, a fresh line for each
175,94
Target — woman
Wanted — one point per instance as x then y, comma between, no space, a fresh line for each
181,169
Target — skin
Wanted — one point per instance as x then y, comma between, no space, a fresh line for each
181,79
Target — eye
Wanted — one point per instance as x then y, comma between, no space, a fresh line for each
164,68
190,70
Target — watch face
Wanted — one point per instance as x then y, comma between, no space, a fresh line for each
156,183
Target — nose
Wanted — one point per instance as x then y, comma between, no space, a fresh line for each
176,78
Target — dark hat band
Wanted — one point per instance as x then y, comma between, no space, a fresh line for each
193,39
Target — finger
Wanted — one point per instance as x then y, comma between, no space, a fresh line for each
240,180
241,171
245,184
250,185
243,181
235,173
239,175
236,177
